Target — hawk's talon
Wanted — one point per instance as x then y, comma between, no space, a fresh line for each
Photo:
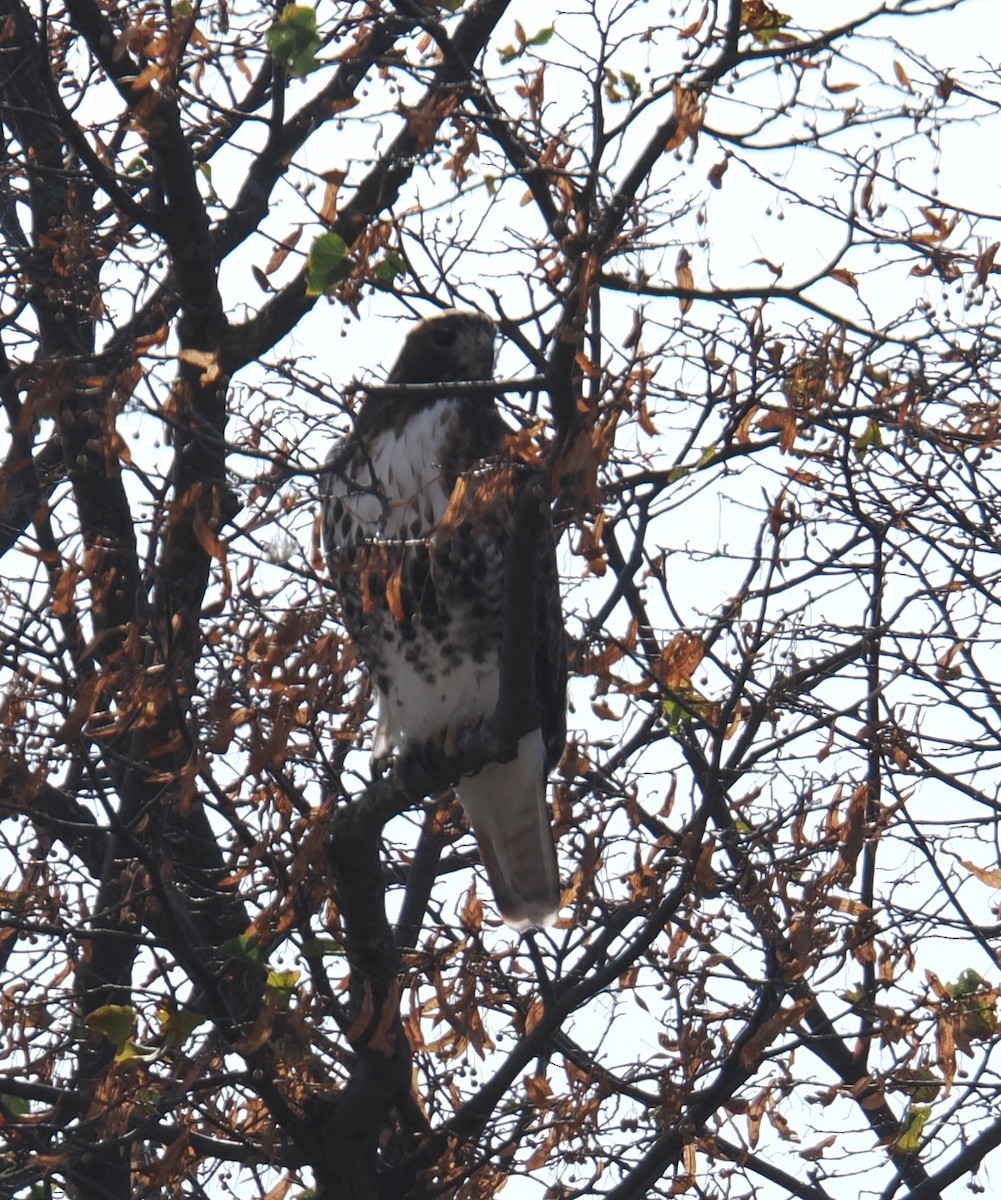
476,740
462,742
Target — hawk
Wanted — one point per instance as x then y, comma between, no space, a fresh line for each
417,514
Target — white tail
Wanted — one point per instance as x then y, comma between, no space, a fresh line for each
506,806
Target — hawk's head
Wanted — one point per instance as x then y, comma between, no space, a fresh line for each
451,347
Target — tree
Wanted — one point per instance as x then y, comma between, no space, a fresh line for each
745,279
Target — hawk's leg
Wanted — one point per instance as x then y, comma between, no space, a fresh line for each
470,745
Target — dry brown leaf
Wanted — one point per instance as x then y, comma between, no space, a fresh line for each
171,1165
691,30
941,227
689,114
280,1190
816,1152
845,277
742,434
471,913
208,360
537,1090
680,659
383,1039
394,595
946,1047
88,695
683,274
587,368
536,1011
283,250
717,172
989,875
985,263
455,504
119,446
64,590
770,1030
786,422
328,210
599,664
686,1181
541,1154
154,73
208,539
944,670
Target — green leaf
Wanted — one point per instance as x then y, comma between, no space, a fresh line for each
328,263
389,270
633,86
924,1086
283,981
870,439
968,984
279,988
509,53
113,1021
675,714
177,1027
317,947
612,93
909,1141
763,21
17,1105
977,1003
148,1101
767,33
131,1053
245,948
293,40
980,1021
206,171
542,37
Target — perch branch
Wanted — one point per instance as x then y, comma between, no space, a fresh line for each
355,1121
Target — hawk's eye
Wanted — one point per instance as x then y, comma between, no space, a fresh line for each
443,338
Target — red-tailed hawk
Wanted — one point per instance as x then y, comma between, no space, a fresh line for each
415,540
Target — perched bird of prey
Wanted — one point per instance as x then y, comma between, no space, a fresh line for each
418,505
